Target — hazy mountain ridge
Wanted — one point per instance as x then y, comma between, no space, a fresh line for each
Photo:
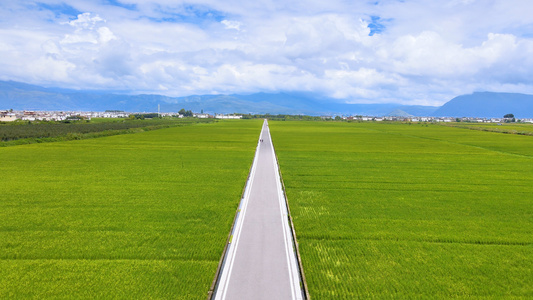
22,96
488,105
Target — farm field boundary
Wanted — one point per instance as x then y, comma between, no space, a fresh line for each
230,234
295,239
508,128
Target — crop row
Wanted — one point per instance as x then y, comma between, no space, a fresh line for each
511,128
16,131
409,211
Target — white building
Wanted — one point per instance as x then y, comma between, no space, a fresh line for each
201,116
228,116
7,117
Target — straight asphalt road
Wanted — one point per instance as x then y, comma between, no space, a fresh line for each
260,262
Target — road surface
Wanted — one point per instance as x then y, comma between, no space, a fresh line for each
260,261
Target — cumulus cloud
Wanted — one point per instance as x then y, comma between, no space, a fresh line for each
232,24
415,51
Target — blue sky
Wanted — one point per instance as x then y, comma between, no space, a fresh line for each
410,51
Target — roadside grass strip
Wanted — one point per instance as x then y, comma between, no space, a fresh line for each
138,216
391,210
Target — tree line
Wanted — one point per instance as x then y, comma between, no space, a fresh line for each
26,130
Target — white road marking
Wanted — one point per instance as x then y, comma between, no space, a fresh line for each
287,233
232,251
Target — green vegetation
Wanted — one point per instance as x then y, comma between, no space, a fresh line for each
18,133
281,117
390,210
509,118
143,116
511,128
139,216
186,113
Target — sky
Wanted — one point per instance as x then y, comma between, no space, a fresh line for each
414,52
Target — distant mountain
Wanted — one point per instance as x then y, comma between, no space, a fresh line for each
488,105
419,110
22,96
399,113
290,103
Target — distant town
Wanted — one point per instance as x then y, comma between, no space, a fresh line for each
13,115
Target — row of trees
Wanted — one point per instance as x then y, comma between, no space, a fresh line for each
280,117
23,130
143,116
183,112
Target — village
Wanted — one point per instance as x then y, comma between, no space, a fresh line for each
13,115
434,119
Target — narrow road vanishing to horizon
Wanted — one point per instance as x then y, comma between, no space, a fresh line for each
260,261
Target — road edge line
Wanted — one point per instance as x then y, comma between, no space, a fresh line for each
214,284
294,239
288,240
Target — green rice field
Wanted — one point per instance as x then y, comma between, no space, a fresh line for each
420,211
136,216
511,128
381,210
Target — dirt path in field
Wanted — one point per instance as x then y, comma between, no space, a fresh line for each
260,261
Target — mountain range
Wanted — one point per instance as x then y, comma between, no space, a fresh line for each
22,96
488,105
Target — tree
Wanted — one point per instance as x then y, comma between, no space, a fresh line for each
186,113
509,118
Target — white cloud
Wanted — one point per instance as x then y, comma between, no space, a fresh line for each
232,24
86,21
428,51
105,35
